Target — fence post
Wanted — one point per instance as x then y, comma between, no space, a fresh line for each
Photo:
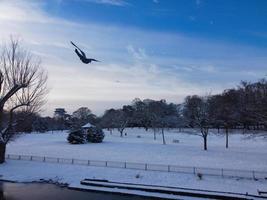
19,157
44,159
222,172
106,163
169,168
253,173
57,160
125,165
8,156
145,166
194,170
31,158
88,163
72,161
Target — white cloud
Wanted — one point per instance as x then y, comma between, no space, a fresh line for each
18,11
148,64
26,11
109,2
137,54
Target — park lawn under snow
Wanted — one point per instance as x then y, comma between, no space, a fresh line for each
28,171
243,153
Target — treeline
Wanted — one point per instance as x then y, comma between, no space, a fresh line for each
244,107
32,122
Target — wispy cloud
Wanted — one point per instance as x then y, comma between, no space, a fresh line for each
27,11
148,64
19,11
109,2
138,54
258,34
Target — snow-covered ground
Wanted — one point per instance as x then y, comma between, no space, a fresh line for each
139,146
243,153
27,171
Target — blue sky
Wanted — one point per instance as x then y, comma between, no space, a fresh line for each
240,21
149,48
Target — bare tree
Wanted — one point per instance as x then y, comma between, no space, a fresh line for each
197,113
121,121
22,88
108,120
161,116
82,116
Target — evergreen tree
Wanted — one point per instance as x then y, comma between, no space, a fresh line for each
76,137
95,135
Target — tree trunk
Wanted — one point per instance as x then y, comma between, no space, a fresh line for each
121,131
163,136
1,117
204,132
2,152
154,130
227,137
205,143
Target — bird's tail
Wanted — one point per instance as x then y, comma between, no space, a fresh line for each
95,60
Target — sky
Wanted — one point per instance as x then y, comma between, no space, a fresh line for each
157,49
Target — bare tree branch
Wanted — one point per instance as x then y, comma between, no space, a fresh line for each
22,85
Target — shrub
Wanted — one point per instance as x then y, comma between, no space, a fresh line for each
76,137
95,135
137,176
199,175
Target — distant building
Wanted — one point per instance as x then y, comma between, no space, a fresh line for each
87,126
60,113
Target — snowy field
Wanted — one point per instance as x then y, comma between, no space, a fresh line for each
27,171
139,146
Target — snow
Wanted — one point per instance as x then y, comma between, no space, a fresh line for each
125,191
243,153
88,125
139,146
27,171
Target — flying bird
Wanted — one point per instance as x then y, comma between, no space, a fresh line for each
82,55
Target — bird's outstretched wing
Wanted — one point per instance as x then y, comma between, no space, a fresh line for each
78,53
75,46
82,55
